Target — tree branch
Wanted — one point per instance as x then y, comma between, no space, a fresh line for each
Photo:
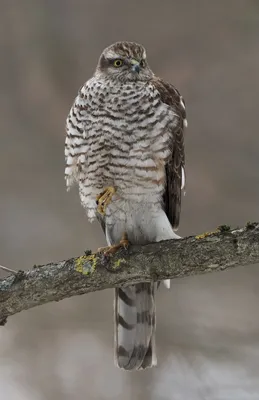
209,252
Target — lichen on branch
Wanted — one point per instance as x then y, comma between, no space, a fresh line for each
213,251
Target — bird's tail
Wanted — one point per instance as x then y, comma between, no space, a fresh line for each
135,326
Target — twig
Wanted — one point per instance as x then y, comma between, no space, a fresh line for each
12,271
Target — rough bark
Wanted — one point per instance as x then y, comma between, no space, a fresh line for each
209,252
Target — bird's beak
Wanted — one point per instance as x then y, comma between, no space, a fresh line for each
135,65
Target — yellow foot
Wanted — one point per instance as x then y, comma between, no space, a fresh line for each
104,198
124,243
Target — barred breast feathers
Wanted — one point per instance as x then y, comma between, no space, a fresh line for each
120,134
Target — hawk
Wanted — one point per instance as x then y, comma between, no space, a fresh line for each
125,149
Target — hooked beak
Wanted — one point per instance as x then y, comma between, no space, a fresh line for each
135,65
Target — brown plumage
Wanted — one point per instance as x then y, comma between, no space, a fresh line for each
175,166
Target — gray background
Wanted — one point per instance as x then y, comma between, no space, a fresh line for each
208,326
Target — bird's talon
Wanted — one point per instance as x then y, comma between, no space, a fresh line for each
104,198
108,250
103,249
124,242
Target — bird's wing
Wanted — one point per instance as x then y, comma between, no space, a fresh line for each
76,144
175,167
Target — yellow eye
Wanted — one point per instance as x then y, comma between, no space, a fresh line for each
118,63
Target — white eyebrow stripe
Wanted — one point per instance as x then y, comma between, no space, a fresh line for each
112,54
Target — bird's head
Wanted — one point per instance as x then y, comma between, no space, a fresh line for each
124,61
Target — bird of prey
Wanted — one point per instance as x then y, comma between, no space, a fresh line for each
125,149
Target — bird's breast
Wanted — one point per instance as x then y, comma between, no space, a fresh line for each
128,144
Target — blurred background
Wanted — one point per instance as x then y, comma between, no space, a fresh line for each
208,326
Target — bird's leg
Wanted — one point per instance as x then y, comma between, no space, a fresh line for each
104,198
124,243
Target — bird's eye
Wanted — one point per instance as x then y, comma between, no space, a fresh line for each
142,63
118,63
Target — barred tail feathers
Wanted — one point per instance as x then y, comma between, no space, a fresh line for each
135,326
